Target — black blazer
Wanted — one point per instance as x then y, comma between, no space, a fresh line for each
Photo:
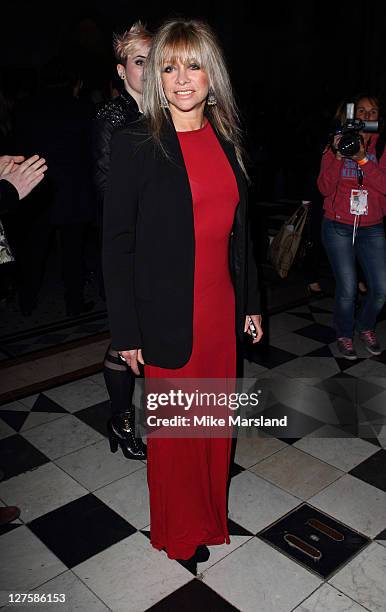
148,247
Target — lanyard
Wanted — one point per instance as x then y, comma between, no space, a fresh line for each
356,219
359,175
359,169
355,228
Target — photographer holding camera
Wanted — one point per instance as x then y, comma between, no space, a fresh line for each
352,180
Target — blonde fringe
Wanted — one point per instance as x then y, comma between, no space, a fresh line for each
191,40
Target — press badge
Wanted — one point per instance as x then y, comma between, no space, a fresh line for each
358,202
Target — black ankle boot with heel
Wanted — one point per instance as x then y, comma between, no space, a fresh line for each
121,429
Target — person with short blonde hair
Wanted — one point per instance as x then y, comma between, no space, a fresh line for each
180,277
126,44
131,49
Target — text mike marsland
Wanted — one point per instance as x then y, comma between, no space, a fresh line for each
211,421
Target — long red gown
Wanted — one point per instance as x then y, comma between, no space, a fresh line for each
187,478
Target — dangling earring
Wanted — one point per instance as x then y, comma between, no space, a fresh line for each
164,102
212,100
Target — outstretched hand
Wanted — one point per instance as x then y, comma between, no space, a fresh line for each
8,163
26,175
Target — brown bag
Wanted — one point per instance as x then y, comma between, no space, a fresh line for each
284,246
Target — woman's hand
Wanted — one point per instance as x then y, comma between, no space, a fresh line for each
357,157
132,359
335,144
256,318
26,175
361,153
7,163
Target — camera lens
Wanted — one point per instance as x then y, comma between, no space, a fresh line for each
349,144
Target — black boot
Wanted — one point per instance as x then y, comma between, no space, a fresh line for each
201,555
122,432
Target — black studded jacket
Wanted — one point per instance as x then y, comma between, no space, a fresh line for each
112,116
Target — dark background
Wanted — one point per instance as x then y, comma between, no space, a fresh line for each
272,48
291,64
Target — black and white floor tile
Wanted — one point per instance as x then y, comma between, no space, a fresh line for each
84,522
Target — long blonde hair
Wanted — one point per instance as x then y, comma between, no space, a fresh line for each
191,41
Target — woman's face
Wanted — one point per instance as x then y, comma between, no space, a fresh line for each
367,110
133,70
186,86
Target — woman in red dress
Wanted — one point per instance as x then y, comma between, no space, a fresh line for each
179,270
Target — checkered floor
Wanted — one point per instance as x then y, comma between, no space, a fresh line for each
84,511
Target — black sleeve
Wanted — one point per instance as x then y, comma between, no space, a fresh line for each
253,295
119,231
102,134
9,196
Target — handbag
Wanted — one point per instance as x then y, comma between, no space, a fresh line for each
285,245
5,250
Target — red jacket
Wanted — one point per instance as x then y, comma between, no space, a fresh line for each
337,178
